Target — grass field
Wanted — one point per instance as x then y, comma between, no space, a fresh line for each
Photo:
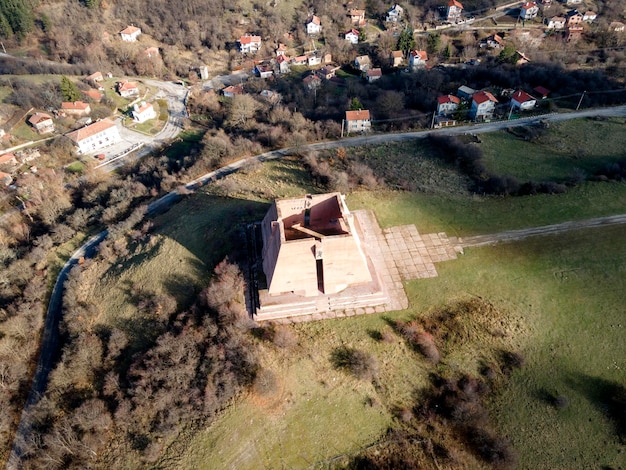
559,301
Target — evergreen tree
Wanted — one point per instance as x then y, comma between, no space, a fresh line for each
406,41
18,14
434,43
69,90
355,104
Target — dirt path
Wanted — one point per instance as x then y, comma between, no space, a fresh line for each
514,235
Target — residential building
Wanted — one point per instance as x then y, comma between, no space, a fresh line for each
454,11
95,78
352,36
417,59
130,33
394,14
447,104
249,44
494,41
522,101
42,123
357,17
617,26
556,22
397,58
363,63
143,112
483,106
313,26
313,60
232,90
283,64
358,121
263,71
574,19
327,72
528,11
373,74
75,108
541,92
312,81
94,95
574,2
8,160
151,52
281,50
96,136
590,16
204,72
5,179
127,89
311,247
465,92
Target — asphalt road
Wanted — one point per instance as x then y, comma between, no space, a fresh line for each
50,337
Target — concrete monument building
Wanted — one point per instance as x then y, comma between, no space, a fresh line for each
311,247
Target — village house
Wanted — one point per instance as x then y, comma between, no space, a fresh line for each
313,60
313,25
75,108
93,95
556,22
96,136
327,72
541,92
352,36
357,17
270,96
590,16
130,33
417,59
358,121
573,33
5,179
42,123
574,19
397,58
528,11
232,90
263,71
483,106
283,64
204,72
617,27
249,44
522,101
312,81
363,63
127,89
464,92
494,41
151,52
454,11
143,112
95,78
447,104
281,50
574,2
394,14
8,160
373,74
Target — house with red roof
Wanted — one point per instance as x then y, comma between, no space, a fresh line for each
130,33
454,11
417,59
283,63
42,123
312,81
447,104
127,89
75,108
96,136
522,101
483,106
313,25
249,44
352,36
232,90
143,112
373,74
95,95
541,92
358,121
7,160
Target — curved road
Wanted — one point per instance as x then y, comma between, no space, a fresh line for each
49,342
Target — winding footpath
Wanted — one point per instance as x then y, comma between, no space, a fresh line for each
50,337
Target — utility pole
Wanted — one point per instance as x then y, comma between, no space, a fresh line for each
3,49
510,112
342,121
432,124
581,99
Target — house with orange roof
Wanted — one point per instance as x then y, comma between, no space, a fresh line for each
96,136
75,108
358,121
8,159
483,106
94,95
313,25
417,59
151,51
454,11
447,104
249,44
232,90
357,17
143,112
522,101
95,78
127,89
5,179
42,123
130,33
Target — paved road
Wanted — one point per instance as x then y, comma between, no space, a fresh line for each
49,347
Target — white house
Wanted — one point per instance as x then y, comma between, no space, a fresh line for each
357,17
358,121
130,33
263,71
127,89
483,105
249,44
281,50
394,14
313,60
283,63
522,101
95,136
352,36
363,63
417,59
42,123
574,2
528,11
313,25
556,22
617,26
447,104
373,74
454,11
590,16
143,112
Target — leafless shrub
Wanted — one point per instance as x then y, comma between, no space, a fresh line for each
359,363
284,337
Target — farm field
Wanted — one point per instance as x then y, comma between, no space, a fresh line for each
555,300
